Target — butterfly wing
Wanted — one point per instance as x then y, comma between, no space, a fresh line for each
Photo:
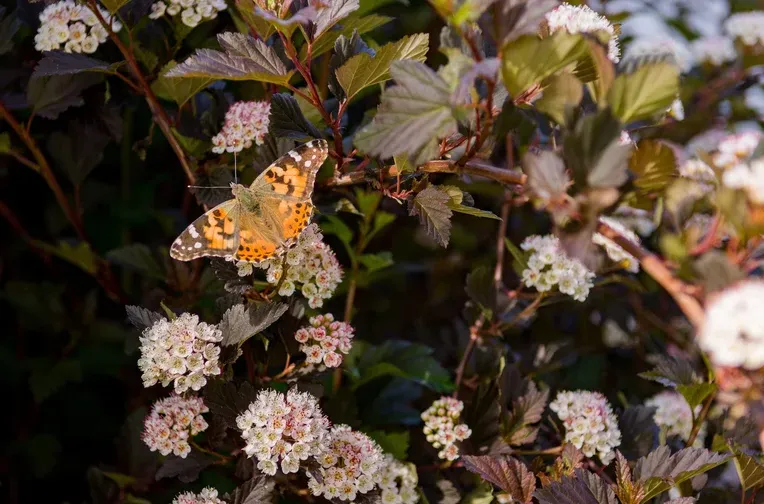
213,234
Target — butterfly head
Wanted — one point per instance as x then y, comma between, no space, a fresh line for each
245,197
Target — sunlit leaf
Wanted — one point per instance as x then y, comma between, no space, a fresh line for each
648,90
179,90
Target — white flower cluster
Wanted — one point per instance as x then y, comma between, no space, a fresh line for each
581,19
746,26
733,331
206,496
660,45
441,428
749,177
310,266
246,122
349,464
548,266
325,340
736,148
192,12
614,251
283,429
171,421
716,50
673,415
398,482
73,26
697,170
183,350
590,424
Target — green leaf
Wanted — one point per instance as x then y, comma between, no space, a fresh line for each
394,443
5,142
335,226
137,257
363,70
654,164
695,394
49,96
561,92
505,472
517,254
645,92
353,23
250,18
48,379
63,63
529,60
376,262
9,25
244,59
179,90
397,358
660,470
114,5
431,206
258,490
79,254
481,288
511,19
330,15
482,494
240,322
344,49
749,470
286,119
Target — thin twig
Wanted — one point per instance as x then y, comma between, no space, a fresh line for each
474,336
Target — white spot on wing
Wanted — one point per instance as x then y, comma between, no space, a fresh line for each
192,231
197,245
295,156
308,163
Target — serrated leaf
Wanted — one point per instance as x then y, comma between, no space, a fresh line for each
244,59
179,90
185,469
287,120
394,443
352,23
483,414
334,12
644,92
696,393
376,262
528,60
525,412
286,26
365,70
413,115
431,206
142,318
601,491
561,91
566,491
510,19
49,96
505,472
671,372
139,258
241,322
63,63
639,433
226,401
475,212
258,490
749,470
547,177
344,49
660,470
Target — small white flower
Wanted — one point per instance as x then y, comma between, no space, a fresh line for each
549,268
714,50
171,422
441,428
673,415
74,26
748,27
590,424
158,10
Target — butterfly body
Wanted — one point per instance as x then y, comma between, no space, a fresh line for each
261,220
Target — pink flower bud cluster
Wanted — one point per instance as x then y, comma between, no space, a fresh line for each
349,464
325,340
246,122
282,429
73,28
183,351
171,422
442,429
590,424
206,496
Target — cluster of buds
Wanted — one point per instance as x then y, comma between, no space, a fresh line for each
246,122
325,340
442,429
73,27
192,12
590,424
208,495
398,482
183,351
548,267
171,422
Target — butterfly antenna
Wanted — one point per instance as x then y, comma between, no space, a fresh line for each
208,187
235,170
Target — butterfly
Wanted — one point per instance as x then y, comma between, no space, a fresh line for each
260,221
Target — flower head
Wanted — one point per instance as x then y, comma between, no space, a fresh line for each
172,422
581,19
549,267
309,267
326,340
748,27
246,122
652,47
282,430
748,177
183,351
673,415
714,50
733,330
734,149
208,495
442,428
398,482
349,464
590,424
72,27
192,12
